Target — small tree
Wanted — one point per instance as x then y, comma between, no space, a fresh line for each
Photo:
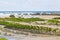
12,16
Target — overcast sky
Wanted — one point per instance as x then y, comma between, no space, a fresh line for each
29,5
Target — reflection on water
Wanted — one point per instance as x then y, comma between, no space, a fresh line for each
8,37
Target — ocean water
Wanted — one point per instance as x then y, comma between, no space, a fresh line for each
19,12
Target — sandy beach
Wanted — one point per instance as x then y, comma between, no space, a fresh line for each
26,37
30,36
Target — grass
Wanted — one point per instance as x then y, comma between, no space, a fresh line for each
3,39
3,22
56,18
54,21
33,29
23,19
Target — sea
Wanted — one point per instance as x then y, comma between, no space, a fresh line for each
31,12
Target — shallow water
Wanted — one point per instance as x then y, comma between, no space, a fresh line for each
8,37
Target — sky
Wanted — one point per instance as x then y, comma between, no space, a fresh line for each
29,5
